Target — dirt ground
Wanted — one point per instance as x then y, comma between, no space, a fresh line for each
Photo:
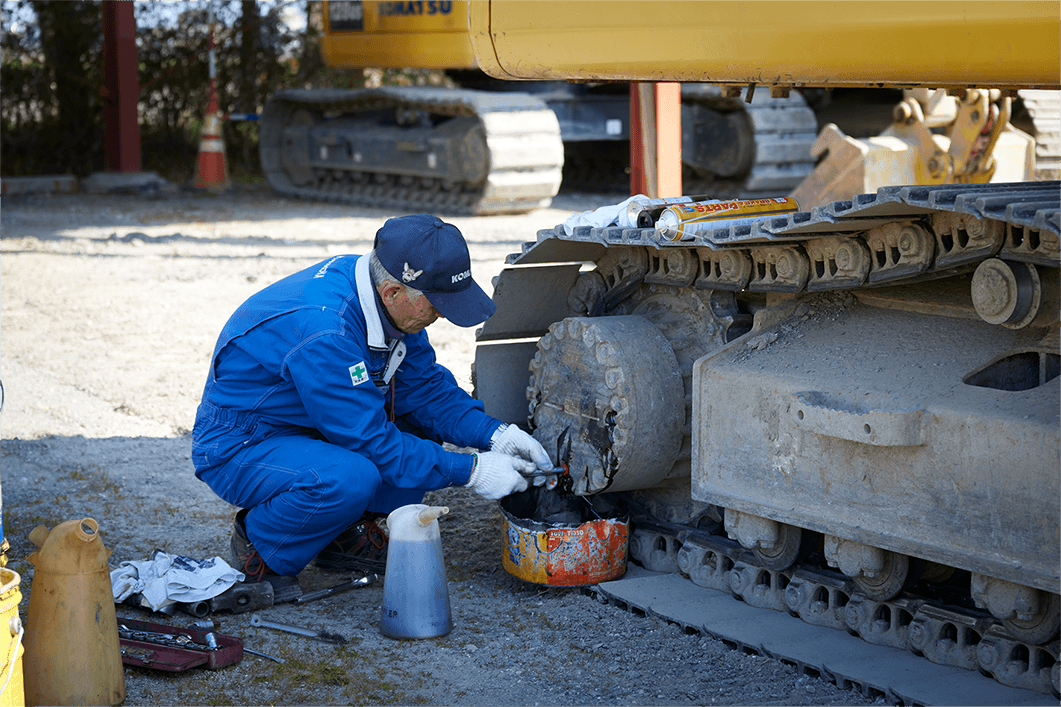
110,309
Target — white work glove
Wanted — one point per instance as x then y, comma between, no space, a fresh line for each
497,475
509,439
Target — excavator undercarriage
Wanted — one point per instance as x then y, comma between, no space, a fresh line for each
849,415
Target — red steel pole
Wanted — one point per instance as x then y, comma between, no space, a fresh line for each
655,139
121,89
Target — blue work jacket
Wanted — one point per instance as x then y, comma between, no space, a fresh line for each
307,355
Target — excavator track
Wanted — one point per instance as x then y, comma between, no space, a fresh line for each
955,635
508,159
900,234
873,666
910,235
1044,111
768,143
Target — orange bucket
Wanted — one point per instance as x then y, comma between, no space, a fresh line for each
564,554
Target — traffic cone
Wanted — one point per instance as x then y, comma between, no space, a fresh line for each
211,171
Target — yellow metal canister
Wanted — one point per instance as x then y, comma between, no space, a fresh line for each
13,690
73,656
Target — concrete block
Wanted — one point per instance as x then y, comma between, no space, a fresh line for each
125,183
47,184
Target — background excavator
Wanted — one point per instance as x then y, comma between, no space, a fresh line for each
496,145
440,149
848,414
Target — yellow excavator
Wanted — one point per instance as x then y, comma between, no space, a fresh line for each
496,145
848,413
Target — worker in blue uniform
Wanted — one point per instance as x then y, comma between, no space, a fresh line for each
325,409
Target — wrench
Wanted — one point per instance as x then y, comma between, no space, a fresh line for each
325,636
353,584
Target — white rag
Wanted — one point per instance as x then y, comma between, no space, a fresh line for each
166,579
614,215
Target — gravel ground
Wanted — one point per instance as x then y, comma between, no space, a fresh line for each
110,309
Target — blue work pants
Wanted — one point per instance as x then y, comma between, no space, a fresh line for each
302,492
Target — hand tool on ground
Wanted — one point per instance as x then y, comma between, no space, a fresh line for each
345,586
263,655
325,636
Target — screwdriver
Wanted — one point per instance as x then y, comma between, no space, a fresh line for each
556,470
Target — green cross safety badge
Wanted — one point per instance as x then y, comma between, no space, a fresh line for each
358,373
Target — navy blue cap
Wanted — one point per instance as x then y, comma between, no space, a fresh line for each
429,255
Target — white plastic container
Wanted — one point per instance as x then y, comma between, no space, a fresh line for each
415,589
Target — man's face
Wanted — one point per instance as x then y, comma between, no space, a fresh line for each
409,316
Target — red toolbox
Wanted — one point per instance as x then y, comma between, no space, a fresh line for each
141,649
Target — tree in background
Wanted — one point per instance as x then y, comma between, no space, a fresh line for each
249,40
51,75
51,70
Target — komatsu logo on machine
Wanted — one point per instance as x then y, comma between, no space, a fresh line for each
416,7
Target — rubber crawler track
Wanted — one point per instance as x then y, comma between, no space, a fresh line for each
512,184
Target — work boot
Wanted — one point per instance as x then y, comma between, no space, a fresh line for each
249,562
362,546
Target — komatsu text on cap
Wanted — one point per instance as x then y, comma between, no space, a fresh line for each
429,255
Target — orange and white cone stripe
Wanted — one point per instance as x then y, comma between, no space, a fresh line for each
211,169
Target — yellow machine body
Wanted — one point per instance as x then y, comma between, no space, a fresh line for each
425,34
876,43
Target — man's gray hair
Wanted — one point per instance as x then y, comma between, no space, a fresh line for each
380,276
